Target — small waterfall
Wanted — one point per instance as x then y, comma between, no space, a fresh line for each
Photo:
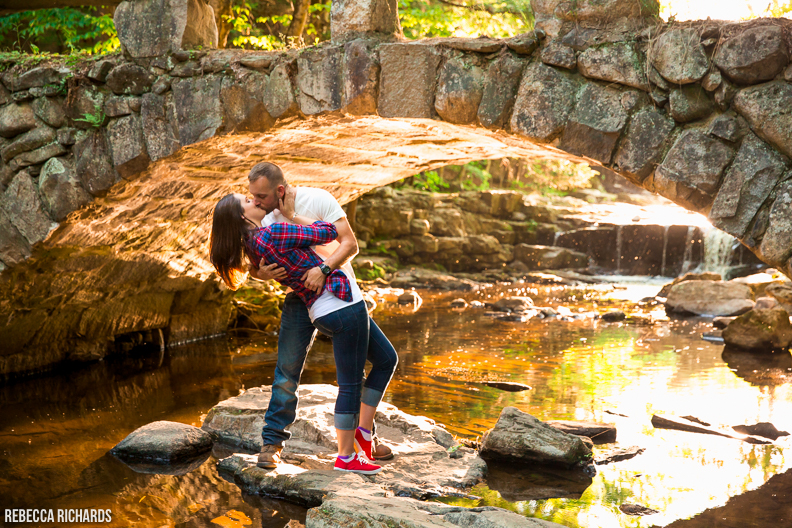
687,259
556,235
618,248
665,249
718,251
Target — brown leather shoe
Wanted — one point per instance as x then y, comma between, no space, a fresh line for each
380,451
269,458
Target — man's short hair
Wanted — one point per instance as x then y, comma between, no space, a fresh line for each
268,170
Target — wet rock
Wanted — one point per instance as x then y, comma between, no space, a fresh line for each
636,509
554,53
709,298
424,278
507,386
198,107
163,442
410,297
524,44
722,322
763,429
755,55
459,91
357,18
526,482
14,248
38,137
690,426
614,317
518,436
617,454
94,164
598,432
776,245
23,208
544,102
458,303
127,146
500,90
129,79
618,62
760,330
243,104
765,107
16,119
690,276
361,78
781,292
690,103
319,79
692,170
756,170
60,188
549,257
765,303
513,304
421,465
279,94
642,146
50,110
407,95
596,124
149,28
100,70
679,56
159,126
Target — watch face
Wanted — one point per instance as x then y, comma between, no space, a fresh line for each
325,269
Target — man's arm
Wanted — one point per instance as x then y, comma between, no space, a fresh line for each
314,279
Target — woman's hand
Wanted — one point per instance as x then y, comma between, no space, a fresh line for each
286,204
271,272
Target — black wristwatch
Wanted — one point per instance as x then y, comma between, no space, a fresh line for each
327,270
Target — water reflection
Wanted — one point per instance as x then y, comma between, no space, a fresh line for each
55,430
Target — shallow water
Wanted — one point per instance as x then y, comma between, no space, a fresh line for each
55,430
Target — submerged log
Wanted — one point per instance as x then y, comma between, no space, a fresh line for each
679,424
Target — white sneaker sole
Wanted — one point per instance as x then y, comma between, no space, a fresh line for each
359,471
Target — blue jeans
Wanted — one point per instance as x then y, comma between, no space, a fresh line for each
297,334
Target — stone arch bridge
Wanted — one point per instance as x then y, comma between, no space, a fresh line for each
110,167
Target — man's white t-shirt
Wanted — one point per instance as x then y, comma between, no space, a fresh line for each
318,204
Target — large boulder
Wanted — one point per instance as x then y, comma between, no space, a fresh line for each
781,292
691,172
703,297
320,79
707,275
596,124
765,107
459,92
361,78
519,437
199,109
500,91
544,103
164,443
60,188
753,175
776,245
151,28
356,18
755,55
679,56
23,208
616,63
407,95
127,145
160,131
760,330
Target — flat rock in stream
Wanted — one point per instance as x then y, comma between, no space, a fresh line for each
422,466
163,442
599,432
763,429
681,424
617,454
430,279
507,386
636,509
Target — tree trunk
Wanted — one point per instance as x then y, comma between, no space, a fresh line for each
222,12
299,18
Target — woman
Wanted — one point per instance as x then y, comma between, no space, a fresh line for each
236,232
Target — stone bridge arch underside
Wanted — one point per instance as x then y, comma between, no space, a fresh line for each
110,168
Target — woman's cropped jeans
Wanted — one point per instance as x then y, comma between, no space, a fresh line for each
356,338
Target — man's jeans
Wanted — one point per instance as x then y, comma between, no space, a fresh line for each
296,337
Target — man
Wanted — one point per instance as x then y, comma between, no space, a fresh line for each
268,187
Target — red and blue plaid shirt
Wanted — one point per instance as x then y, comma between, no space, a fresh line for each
289,246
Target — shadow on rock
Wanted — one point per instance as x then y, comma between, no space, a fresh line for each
766,369
518,483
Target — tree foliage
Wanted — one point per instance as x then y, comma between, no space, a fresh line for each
59,30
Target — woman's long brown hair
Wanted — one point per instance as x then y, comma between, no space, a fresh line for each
227,242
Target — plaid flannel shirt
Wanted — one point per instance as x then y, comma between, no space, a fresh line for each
289,246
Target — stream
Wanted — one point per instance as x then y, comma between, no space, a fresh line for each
56,429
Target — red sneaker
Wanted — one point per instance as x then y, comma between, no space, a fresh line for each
358,464
362,445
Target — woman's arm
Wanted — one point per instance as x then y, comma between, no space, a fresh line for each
285,236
